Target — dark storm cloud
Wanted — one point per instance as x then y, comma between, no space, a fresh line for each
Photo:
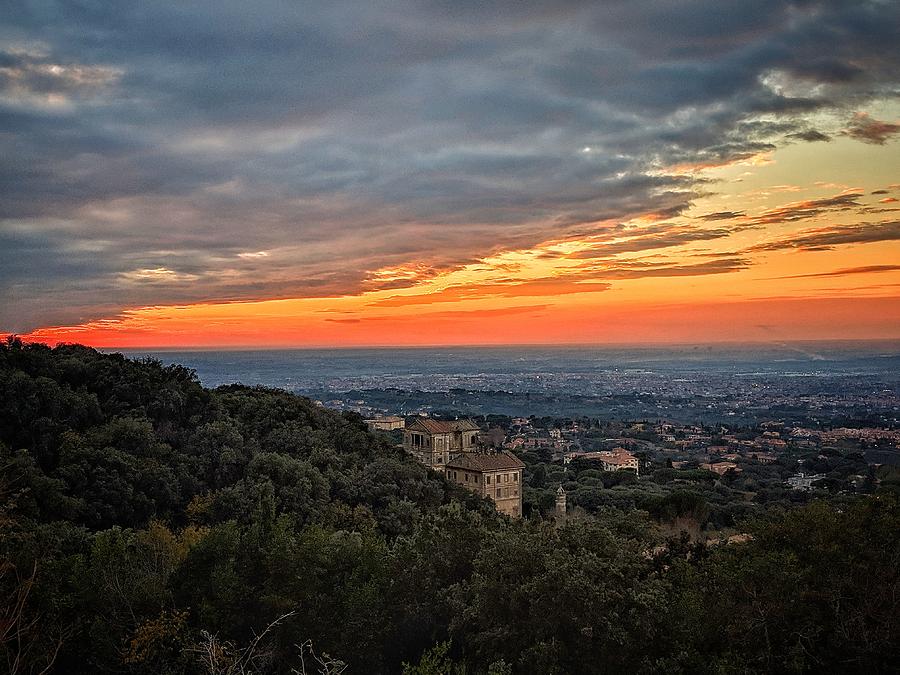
810,136
149,150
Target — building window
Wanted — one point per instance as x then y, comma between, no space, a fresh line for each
499,493
516,477
467,477
487,480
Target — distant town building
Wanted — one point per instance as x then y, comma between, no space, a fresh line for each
867,434
617,459
804,481
433,442
385,423
496,475
721,468
560,502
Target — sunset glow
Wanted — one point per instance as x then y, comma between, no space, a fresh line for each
767,212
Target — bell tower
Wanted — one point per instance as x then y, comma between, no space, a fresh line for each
560,502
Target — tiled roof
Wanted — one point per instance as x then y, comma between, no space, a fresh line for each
442,427
620,459
486,461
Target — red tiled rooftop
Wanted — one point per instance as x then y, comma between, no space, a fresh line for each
486,461
443,427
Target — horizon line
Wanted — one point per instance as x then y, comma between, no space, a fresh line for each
496,345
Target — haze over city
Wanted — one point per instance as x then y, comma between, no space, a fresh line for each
347,173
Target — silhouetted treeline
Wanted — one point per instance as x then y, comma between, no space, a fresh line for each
149,525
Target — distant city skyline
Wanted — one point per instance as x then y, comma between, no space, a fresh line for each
358,173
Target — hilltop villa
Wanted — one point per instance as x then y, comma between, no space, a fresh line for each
496,475
451,447
433,442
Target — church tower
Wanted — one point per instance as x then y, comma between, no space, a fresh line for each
560,502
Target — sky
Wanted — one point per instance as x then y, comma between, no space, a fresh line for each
189,174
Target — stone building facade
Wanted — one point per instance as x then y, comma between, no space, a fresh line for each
496,475
434,442
388,423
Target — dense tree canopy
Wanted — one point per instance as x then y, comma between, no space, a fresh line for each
149,525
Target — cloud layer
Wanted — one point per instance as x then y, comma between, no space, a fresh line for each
156,153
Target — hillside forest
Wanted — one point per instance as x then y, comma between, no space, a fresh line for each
151,525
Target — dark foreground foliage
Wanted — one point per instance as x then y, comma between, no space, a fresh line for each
149,525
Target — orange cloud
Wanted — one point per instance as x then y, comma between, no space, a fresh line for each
553,286
867,269
810,208
826,238
746,158
863,127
